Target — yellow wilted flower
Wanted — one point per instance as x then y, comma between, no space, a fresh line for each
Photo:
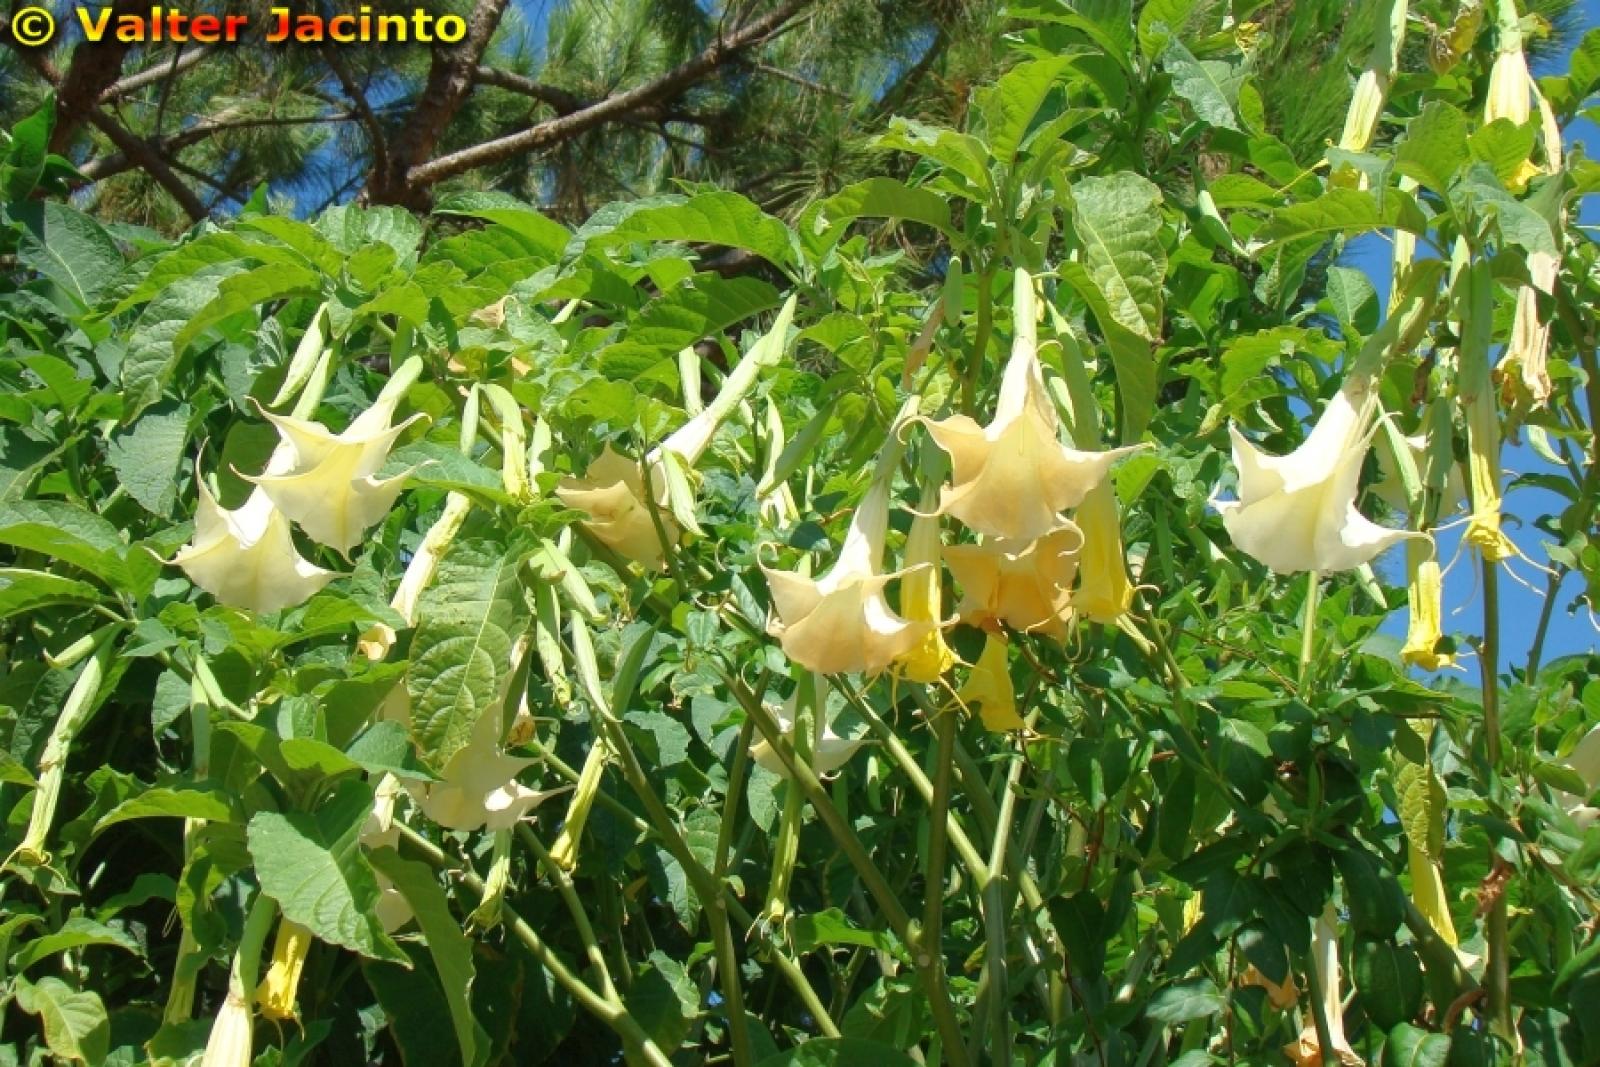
1104,593
989,687
1530,339
1298,512
327,482
1483,481
565,850
277,990
246,558
921,601
1423,634
1025,585
1013,477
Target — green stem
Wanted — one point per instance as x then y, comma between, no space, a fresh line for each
980,342
872,877
580,918
1308,626
1499,966
610,1011
928,951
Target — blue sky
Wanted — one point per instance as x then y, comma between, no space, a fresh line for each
1519,605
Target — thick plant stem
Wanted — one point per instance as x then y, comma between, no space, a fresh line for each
871,876
609,1010
928,951
580,918
1497,936
705,886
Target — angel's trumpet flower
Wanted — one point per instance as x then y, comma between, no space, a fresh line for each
1306,1051
828,750
379,831
921,600
1528,352
479,787
842,622
989,688
327,482
232,1039
1013,477
1423,635
1298,512
1104,593
246,558
613,490
276,994
1027,585
1585,760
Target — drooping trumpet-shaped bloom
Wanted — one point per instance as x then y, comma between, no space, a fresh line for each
232,1039
379,831
1104,593
1423,635
1013,477
1305,1051
479,787
1585,760
246,557
1298,512
829,751
1528,352
1027,585
327,482
276,993
989,688
613,492
921,601
842,622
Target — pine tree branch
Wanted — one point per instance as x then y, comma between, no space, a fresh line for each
363,109
92,70
450,80
150,75
721,52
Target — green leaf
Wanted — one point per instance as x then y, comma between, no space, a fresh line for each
960,152
885,197
664,1001
1194,998
1346,211
69,248
1354,300
1371,891
719,218
461,653
1435,146
75,1024
1409,1046
1504,146
451,951
275,281
76,932
146,459
1211,86
312,865
840,1052
65,532
202,800
24,590
1118,219
1015,100
541,233
1130,354
221,247
29,149
1080,920
1389,977
830,927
